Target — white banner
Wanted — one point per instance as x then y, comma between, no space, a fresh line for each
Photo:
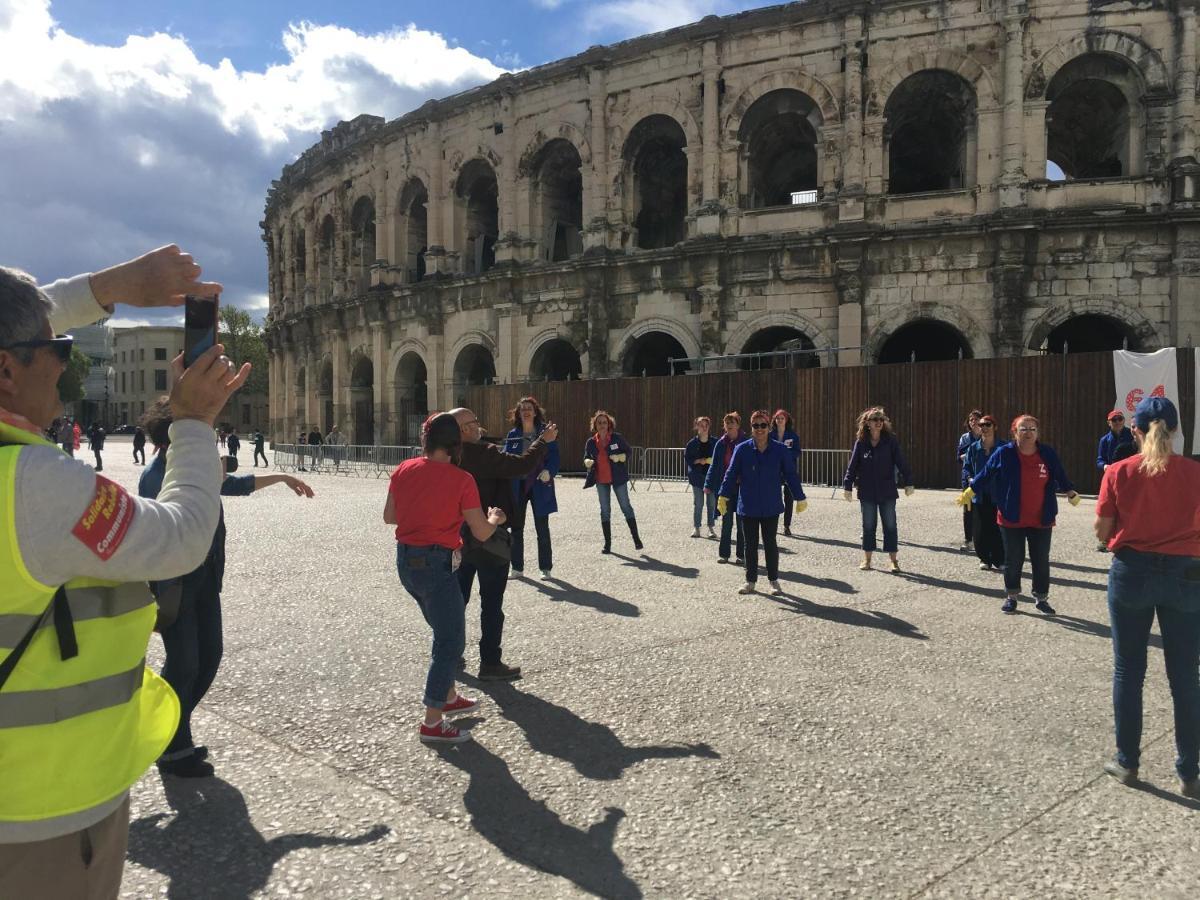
1141,375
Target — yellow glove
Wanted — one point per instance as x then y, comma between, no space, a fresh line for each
704,462
722,505
801,505
965,498
544,477
1074,499
909,490
588,463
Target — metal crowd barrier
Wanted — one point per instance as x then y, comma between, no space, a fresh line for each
360,460
665,465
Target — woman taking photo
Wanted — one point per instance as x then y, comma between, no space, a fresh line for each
874,462
428,500
1148,516
783,431
529,421
1022,478
970,436
989,545
606,458
754,474
697,457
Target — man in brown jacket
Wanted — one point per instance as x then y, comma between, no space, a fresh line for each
493,471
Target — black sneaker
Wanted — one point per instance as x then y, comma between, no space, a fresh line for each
1010,605
1119,772
462,663
1190,788
1043,606
498,672
188,767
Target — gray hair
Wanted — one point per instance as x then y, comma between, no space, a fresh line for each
24,310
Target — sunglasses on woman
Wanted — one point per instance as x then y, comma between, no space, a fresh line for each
60,344
760,425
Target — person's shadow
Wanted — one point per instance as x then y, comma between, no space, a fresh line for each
210,848
847,615
528,831
591,747
650,564
557,589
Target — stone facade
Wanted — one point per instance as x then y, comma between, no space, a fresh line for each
871,181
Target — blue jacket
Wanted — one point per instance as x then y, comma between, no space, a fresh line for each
964,442
874,469
754,477
1109,444
544,499
975,459
1001,477
616,444
716,472
791,441
697,449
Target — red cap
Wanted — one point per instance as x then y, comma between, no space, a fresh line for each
1116,414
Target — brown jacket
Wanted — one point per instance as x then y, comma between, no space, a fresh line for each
494,470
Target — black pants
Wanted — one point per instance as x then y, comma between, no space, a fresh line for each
767,527
968,525
493,580
139,451
541,525
788,500
989,543
99,461
257,454
728,521
194,645
1039,558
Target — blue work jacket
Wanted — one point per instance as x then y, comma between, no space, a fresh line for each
754,477
791,441
1108,446
544,499
616,444
1001,478
975,459
698,449
874,469
716,472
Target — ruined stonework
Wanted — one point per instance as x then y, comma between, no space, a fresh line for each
870,181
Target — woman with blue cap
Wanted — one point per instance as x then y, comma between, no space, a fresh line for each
1147,514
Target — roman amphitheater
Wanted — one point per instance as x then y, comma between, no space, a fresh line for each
870,181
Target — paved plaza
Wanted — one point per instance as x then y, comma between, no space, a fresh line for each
868,734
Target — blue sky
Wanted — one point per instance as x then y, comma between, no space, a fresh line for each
127,125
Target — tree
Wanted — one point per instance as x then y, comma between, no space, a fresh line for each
244,343
70,383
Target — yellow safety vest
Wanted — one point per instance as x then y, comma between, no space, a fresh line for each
74,733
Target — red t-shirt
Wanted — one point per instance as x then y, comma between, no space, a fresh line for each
1034,476
1159,514
603,467
429,498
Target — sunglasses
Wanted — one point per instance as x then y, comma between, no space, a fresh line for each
986,424
1117,419
760,424
60,343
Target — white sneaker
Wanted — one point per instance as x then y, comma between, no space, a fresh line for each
740,561
711,533
545,574
967,546
775,588
983,567
695,532
747,588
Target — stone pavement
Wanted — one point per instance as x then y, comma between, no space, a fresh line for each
868,735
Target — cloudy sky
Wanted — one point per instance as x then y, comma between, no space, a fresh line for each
127,125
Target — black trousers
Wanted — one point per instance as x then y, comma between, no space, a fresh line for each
139,451
493,581
257,454
968,525
989,543
788,501
728,522
194,645
767,527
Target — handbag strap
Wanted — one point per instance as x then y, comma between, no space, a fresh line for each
64,628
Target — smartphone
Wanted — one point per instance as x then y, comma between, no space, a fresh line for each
199,326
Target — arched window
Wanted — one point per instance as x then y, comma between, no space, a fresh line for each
478,206
1090,132
557,196
924,340
655,156
555,360
412,398
929,133
325,258
780,339
652,353
362,394
1091,333
778,138
475,365
362,243
413,233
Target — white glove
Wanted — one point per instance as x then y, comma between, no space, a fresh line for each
588,463
618,457
544,476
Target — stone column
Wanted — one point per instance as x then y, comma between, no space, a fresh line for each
508,241
311,276
379,345
708,217
435,255
286,263
1012,172
598,229
850,288
850,199
1185,85
384,218
341,255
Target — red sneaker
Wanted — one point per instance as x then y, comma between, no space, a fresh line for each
460,704
442,733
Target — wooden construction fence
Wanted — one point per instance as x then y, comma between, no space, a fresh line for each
927,401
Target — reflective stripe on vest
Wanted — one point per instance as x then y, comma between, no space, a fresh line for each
74,733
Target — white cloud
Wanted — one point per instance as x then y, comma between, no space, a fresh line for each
627,18
130,322
111,150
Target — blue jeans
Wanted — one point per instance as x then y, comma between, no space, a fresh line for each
427,575
1015,540
194,646
701,502
493,580
541,525
605,492
1141,585
872,512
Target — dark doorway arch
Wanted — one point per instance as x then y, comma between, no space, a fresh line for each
478,206
555,360
362,400
475,365
1089,121
780,338
779,139
1091,333
928,339
558,200
655,152
413,229
362,243
929,123
651,354
412,397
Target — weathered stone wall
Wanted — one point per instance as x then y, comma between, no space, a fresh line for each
997,252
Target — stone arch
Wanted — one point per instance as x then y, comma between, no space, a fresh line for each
476,199
781,318
1133,50
408,384
535,343
652,106
788,79
565,131
1141,328
657,181
889,323
955,61
556,196
471,337
628,338
411,234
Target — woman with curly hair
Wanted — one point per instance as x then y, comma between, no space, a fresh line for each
874,462
606,458
529,421
783,430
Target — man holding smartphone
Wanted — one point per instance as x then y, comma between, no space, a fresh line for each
81,718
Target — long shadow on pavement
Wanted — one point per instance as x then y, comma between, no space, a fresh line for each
557,589
211,848
827,584
847,615
591,747
650,564
1084,626
528,831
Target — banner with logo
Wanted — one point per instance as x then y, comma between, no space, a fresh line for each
1141,375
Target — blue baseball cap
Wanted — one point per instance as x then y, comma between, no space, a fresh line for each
1153,408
